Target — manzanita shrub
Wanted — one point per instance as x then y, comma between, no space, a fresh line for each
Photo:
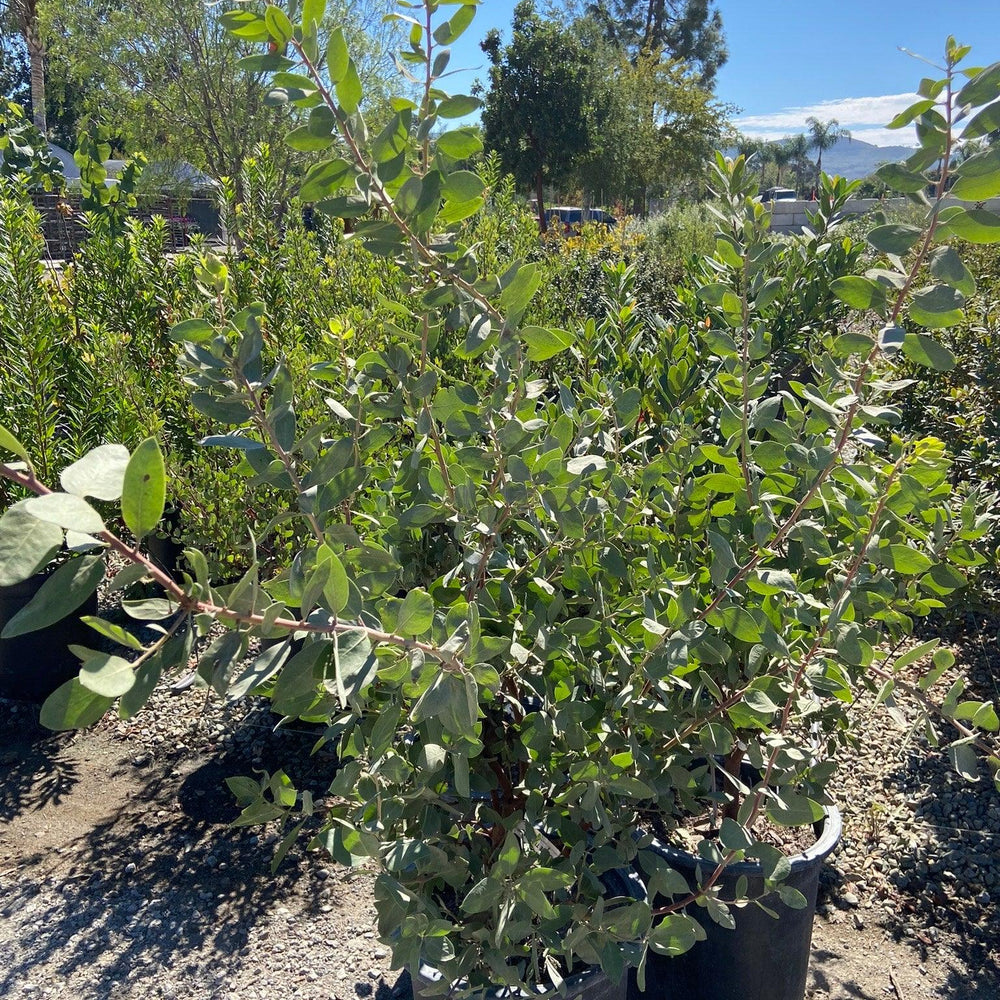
538,624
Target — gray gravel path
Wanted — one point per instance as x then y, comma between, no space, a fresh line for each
120,878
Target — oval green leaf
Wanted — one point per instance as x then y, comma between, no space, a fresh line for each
145,489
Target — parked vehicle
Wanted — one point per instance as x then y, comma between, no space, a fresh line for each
777,194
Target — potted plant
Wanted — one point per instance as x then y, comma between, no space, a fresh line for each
544,635
49,573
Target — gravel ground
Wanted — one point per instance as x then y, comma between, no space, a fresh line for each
120,877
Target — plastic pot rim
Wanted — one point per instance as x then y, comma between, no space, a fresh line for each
829,837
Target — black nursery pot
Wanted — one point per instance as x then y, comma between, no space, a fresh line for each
763,958
32,666
161,545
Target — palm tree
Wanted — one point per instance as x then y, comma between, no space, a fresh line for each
798,149
824,136
781,156
24,17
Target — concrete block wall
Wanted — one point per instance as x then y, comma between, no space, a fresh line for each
790,216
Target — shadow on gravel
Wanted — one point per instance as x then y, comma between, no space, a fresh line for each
949,882
33,765
820,957
163,882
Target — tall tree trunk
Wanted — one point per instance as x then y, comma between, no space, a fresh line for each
26,20
543,224
36,57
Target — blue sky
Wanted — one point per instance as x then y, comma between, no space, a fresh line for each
788,61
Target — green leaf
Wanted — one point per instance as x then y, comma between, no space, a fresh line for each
195,331
349,90
154,609
895,238
936,306
312,12
462,186
460,144
983,122
519,292
924,350
904,118
416,614
103,673
457,211
912,655
10,443
450,31
480,336
72,706
983,88
337,58
859,293
113,632
676,934
791,897
733,836
297,689
354,663
278,25
61,594
483,896
794,809
544,343
853,342
976,225
145,490
716,739
147,676
458,106
978,178
948,266
325,179
261,670
306,141
269,62
245,24
66,510
336,591
739,623
964,760
904,559
890,339
26,545
897,177
100,473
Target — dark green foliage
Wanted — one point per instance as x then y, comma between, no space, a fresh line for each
540,575
689,31
962,407
537,115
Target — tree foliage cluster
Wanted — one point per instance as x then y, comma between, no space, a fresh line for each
793,153
163,76
604,100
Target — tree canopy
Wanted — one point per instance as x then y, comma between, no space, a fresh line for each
538,114
687,31
570,106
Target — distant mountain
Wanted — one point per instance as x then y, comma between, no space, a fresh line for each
854,159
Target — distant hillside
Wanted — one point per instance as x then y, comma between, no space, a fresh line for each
853,159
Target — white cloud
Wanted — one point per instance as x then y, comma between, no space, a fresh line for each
865,117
